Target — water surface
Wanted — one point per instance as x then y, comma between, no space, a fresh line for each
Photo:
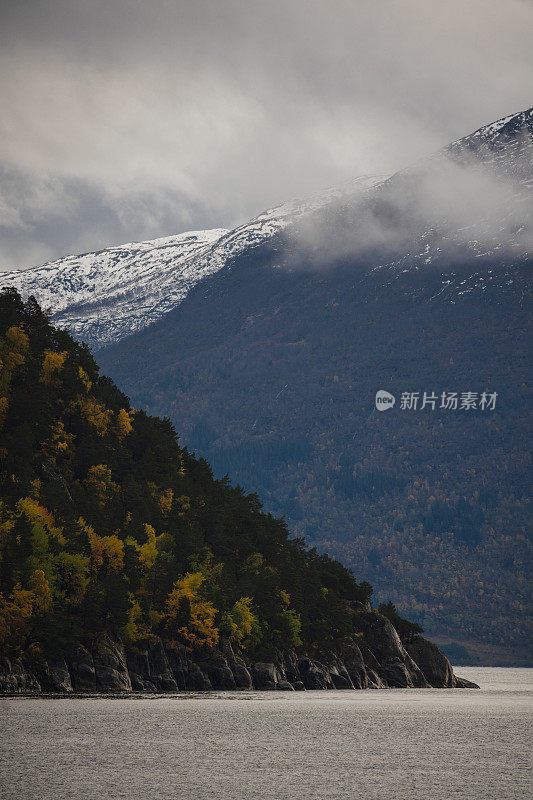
394,744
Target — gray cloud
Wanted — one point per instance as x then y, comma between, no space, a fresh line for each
429,214
124,120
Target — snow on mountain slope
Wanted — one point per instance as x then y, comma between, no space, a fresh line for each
470,206
488,217
102,297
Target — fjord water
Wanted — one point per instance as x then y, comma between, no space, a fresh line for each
418,744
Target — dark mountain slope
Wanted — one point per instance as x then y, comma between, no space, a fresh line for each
125,565
270,369
102,512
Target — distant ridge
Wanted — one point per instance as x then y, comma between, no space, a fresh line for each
103,296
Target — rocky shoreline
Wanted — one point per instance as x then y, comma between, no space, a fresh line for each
380,661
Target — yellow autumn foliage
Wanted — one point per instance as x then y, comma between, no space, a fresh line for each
106,548
13,349
96,414
241,620
124,424
59,441
7,524
23,604
84,379
52,364
148,551
134,629
39,515
100,481
200,629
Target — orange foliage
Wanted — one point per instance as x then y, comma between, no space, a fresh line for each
108,548
164,501
200,629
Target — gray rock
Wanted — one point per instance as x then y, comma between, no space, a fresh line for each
398,675
8,683
264,675
298,686
53,675
138,663
16,679
160,672
432,661
462,683
110,665
139,684
177,659
356,668
340,676
241,675
81,669
285,686
375,681
290,664
314,674
198,681
219,673
340,682
396,666
340,670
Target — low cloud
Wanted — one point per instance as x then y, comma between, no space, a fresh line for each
123,121
443,207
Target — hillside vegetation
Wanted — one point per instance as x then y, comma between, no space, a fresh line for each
272,377
106,523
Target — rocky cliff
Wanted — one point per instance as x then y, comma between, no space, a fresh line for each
155,665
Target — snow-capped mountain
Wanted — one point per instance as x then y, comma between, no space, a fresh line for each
422,287
473,198
471,202
102,297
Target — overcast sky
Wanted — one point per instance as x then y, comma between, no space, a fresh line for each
124,120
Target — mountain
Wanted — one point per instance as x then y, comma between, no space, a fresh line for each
125,565
270,367
102,297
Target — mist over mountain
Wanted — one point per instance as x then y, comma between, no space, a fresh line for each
269,366
472,200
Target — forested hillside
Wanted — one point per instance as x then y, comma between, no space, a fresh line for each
274,379
421,285
106,523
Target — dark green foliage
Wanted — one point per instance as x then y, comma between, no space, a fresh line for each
99,492
433,507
